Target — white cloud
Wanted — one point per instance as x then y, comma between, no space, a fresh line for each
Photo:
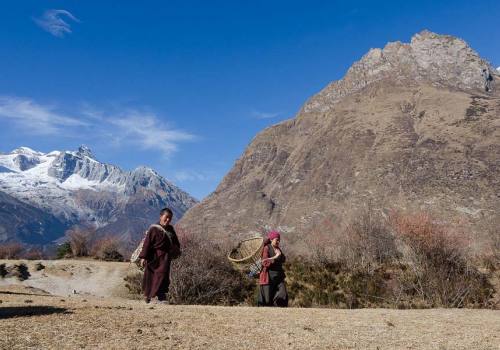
147,131
52,21
265,115
190,175
34,118
129,127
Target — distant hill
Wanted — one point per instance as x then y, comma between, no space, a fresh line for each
42,195
413,125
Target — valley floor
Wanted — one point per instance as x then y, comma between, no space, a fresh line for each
33,319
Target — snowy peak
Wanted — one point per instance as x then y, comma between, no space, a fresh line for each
77,189
85,151
26,151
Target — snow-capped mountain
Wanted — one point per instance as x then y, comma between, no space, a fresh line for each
76,189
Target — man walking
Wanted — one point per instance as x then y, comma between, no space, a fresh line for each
161,245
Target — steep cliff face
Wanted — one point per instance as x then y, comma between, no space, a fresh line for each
411,125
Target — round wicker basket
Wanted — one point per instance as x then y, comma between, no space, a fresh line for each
247,252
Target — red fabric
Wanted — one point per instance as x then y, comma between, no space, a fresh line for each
273,234
264,275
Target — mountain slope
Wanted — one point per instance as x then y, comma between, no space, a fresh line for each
76,189
409,126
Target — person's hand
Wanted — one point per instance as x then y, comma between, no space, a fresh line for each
143,262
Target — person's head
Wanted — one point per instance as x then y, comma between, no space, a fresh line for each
274,237
166,215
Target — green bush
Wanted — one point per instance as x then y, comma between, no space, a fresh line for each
64,251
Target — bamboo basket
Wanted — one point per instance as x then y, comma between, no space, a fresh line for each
247,253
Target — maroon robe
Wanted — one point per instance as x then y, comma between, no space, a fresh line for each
157,270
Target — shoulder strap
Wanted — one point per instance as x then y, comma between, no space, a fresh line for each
165,232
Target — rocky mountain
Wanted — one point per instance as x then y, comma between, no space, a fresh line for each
410,126
42,195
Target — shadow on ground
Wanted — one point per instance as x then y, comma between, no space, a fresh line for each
22,311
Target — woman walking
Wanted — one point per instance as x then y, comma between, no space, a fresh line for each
272,287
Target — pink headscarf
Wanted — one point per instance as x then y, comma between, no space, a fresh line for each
273,234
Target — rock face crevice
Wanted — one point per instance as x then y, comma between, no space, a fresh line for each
409,126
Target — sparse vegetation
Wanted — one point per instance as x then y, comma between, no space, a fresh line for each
202,275
107,249
10,250
79,241
407,261
63,251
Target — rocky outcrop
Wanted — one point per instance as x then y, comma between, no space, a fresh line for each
409,126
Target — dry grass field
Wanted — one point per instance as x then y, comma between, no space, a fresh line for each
33,319
82,304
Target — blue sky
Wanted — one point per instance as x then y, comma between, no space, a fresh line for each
184,86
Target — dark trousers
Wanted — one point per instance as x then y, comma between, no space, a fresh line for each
273,294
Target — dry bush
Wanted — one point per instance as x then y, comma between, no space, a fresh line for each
33,254
133,282
437,268
107,249
490,254
11,250
203,275
368,241
79,241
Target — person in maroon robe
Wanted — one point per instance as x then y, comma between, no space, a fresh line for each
155,257
272,286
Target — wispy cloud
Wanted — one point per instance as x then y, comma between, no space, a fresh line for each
125,127
147,131
53,21
35,118
265,115
191,175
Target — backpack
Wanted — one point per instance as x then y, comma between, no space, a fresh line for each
174,250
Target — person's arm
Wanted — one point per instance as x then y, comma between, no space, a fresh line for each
175,239
266,262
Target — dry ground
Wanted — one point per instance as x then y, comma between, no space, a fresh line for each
31,319
43,313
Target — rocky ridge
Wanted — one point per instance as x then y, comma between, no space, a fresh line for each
409,126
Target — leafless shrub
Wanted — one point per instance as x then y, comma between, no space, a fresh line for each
203,275
437,263
133,282
367,241
107,249
33,254
490,254
10,250
79,241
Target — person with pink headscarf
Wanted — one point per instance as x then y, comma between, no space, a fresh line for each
272,287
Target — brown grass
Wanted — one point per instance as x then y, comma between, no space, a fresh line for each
76,322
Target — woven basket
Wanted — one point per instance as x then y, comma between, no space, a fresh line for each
247,253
